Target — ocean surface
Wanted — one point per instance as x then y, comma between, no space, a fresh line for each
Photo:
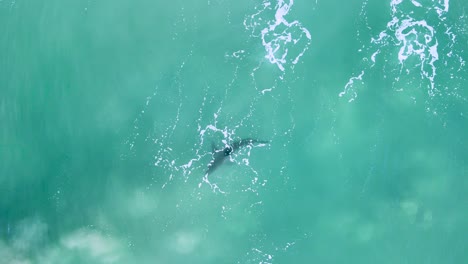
111,112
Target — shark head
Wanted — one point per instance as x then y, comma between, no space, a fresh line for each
219,156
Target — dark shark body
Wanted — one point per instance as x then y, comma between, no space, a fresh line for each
220,155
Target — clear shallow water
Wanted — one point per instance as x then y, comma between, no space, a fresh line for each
109,110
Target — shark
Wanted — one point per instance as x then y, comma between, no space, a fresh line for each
220,155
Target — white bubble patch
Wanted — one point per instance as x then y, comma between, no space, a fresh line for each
410,46
284,42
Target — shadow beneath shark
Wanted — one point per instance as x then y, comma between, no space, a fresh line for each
220,155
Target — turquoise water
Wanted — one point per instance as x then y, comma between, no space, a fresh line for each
109,110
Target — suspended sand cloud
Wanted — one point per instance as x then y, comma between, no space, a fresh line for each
185,242
29,244
29,235
10,255
26,239
93,244
141,203
85,245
